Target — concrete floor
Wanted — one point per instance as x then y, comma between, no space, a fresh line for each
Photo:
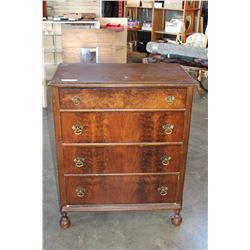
132,230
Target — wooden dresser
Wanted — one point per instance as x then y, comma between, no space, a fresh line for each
121,135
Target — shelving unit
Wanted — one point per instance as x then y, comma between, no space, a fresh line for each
137,13
189,13
52,47
52,42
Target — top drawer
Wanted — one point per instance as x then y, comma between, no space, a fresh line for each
123,98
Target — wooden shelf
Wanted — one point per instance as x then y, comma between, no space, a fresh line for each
140,30
71,22
192,9
138,7
168,9
161,15
167,33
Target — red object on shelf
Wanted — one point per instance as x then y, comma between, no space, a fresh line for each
44,8
115,27
120,8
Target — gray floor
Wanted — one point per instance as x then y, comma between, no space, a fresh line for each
132,230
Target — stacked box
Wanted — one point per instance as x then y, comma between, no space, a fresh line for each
133,3
147,3
173,4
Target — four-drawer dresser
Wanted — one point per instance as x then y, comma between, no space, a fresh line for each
121,133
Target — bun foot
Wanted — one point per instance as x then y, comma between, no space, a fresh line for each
64,221
176,219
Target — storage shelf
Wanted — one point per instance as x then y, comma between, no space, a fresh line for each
72,22
192,9
160,15
168,9
167,33
138,7
140,30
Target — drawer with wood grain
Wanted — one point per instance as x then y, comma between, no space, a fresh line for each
122,126
121,159
123,98
121,189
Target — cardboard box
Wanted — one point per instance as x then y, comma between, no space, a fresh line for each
147,3
175,26
173,4
133,3
158,5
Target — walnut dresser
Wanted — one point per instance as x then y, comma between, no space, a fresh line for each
121,135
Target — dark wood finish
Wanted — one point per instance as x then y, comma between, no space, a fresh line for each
176,219
121,207
122,126
64,221
185,140
124,98
121,189
118,74
121,159
45,8
59,149
114,162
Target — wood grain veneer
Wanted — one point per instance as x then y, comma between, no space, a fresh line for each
116,161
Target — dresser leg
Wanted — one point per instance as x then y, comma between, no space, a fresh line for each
176,219
64,221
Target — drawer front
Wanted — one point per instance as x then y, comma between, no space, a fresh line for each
121,159
122,126
121,189
125,98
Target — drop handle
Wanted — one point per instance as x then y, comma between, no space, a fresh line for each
165,160
80,162
76,100
162,190
80,191
168,128
77,129
170,99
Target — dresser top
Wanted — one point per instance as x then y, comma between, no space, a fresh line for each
79,74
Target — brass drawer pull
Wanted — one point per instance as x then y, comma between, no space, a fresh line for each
80,191
163,190
77,128
165,160
168,128
170,99
80,162
76,100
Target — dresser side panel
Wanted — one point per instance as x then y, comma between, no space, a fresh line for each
58,143
186,130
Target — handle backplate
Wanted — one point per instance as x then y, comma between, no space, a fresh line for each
80,191
163,190
80,162
168,128
170,99
77,129
76,100
165,160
